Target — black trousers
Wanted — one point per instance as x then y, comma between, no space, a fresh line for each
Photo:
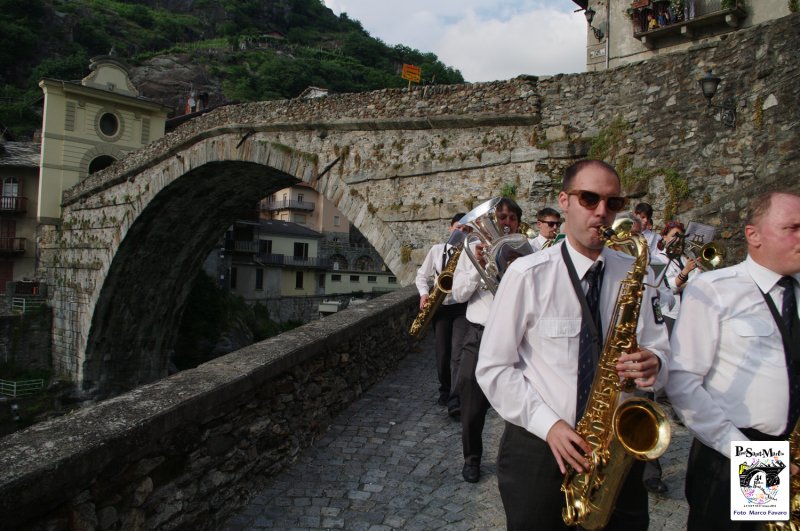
530,487
708,491
474,405
448,342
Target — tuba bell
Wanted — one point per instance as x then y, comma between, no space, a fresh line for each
500,247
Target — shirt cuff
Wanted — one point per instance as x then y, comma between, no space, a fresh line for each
542,421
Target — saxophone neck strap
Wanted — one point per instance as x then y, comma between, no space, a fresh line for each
576,284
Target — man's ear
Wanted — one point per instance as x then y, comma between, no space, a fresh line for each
563,201
752,236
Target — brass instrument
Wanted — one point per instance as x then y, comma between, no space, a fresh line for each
793,523
551,242
500,248
636,429
441,286
707,257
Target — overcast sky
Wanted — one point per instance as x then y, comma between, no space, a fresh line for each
486,40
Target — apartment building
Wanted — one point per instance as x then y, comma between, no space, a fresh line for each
19,175
626,31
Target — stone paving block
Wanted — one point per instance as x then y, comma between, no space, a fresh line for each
411,478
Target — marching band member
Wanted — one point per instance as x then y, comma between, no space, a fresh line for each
448,323
467,287
733,375
677,273
531,357
644,212
548,221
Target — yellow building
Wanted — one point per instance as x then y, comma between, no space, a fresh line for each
88,125
270,259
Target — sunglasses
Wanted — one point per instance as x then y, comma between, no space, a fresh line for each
551,224
590,200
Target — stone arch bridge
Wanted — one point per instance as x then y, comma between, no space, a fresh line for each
398,164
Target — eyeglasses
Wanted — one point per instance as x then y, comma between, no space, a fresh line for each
551,224
590,200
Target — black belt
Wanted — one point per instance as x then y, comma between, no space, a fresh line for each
755,435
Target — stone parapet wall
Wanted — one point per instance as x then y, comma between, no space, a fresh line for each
183,452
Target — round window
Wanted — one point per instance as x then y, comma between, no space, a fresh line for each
109,124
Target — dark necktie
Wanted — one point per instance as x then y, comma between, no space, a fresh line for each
448,253
792,328
589,349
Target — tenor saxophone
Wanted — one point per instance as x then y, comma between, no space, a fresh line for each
636,429
442,286
793,524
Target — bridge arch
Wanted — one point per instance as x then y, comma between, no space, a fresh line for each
399,164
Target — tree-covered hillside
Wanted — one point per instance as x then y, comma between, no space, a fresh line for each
247,50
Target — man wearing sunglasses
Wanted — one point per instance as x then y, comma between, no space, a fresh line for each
537,355
549,223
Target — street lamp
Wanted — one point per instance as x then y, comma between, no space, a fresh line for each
727,111
589,14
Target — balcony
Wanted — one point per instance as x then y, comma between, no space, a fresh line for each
282,260
289,204
10,204
9,246
241,246
654,20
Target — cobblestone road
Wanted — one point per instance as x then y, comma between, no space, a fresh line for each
392,460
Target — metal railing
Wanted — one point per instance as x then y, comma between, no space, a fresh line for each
12,203
20,388
12,245
26,304
296,261
290,204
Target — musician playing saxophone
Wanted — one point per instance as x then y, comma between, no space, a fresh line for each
736,355
449,322
528,364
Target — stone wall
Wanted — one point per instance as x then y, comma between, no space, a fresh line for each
183,452
25,339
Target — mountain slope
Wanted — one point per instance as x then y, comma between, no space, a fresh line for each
244,50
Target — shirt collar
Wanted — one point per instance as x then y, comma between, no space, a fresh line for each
764,278
582,263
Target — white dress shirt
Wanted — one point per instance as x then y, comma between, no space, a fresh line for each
431,268
728,367
528,361
538,242
468,287
652,242
673,269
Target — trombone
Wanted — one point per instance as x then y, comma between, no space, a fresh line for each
708,257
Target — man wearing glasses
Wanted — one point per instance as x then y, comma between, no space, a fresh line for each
548,223
535,337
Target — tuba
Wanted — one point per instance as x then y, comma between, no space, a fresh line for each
441,287
500,248
635,429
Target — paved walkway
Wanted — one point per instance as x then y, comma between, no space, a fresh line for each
392,460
